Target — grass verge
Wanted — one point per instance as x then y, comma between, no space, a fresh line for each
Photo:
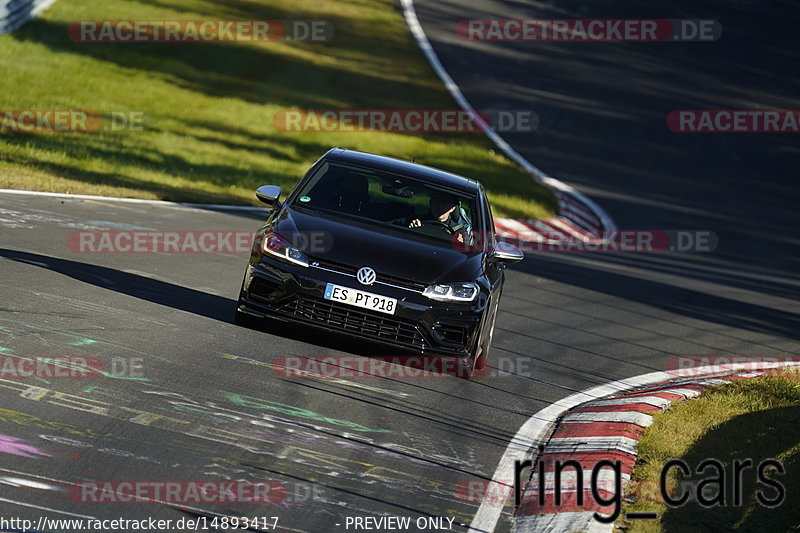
755,419
208,108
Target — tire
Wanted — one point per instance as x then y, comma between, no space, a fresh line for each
486,343
478,361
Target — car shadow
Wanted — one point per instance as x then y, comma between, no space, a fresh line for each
152,290
386,361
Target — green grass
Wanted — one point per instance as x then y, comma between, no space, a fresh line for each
209,134
753,419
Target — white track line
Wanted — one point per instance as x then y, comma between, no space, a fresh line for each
625,417
655,401
164,203
577,218
562,522
686,393
33,506
590,444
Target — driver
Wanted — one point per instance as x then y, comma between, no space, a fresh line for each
444,209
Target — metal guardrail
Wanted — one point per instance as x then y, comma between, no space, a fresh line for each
15,13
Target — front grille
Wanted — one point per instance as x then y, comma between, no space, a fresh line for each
370,323
350,270
332,265
408,284
263,289
452,334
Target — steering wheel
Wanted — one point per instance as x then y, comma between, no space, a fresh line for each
439,224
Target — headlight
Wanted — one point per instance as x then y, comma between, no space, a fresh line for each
276,245
452,292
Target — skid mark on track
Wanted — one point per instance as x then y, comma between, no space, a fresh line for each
24,329
285,409
50,336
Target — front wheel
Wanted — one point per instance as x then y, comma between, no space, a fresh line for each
486,342
478,361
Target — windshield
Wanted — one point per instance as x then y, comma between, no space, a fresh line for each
389,201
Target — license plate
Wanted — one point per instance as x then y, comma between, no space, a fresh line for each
358,298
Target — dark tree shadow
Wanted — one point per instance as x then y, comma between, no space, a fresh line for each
257,74
756,436
679,300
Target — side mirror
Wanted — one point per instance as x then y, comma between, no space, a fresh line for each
507,253
269,194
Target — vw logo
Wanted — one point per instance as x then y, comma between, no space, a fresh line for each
365,276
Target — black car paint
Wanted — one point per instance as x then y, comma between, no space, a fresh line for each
405,265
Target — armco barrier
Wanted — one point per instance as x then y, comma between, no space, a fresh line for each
15,13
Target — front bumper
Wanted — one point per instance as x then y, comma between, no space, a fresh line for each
294,293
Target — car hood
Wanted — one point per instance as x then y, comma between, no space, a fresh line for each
389,253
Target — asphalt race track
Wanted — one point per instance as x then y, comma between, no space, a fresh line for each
187,395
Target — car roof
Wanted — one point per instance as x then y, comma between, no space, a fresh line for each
405,168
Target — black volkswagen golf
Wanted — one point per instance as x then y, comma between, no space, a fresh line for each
384,250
